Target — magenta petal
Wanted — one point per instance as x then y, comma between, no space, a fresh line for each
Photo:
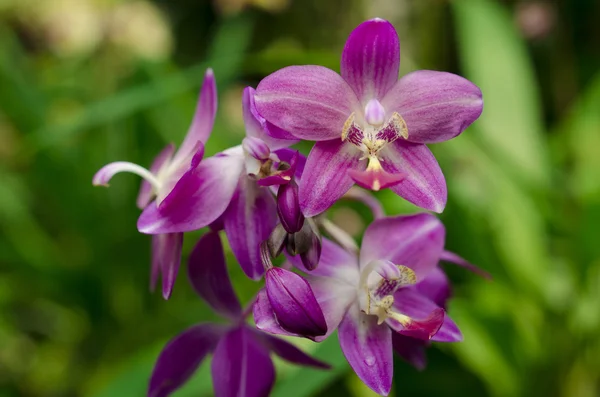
294,303
423,328
289,352
368,349
436,106
250,218
415,241
180,358
326,178
410,349
436,287
311,102
145,195
204,118
371,59
412,303
166,257
207,272
451,257
424,184
241,366
258,127
264,316
293,157
199,198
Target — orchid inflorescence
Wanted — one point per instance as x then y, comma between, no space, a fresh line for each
371,129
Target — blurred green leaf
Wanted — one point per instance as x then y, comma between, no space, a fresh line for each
495,58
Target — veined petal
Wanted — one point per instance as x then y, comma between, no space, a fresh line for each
294,158
311,102
368,349
166,258
423,328
412,303
288,351
410,349
241,366
249,220
326,178
436,106
436,287
415,241
146,193
207,272
424,184
199,198
264,316
204,118
371,59
180,358
258,127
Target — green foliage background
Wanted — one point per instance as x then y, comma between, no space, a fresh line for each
78,89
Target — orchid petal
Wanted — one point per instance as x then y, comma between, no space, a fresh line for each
296,160
204,118
423,328
264,316
424,184
289,352
368,349
105,174
199,198
241,366
166,258
249,220
146,191
326,178
412,303
294,303
415,241
207,272
258,127
436,287
436,106
451,257
311,102
371,59
334,298
410,349
180,358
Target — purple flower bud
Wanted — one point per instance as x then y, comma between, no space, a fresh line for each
256,148
288,207
294,303
310,258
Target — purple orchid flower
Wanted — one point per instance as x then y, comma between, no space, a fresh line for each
370,127
232,186
384,291
171,175
241,364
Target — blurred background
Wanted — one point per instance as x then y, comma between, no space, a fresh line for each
86,82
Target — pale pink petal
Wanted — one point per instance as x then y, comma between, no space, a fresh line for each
311,102
424,184
415,241
436,106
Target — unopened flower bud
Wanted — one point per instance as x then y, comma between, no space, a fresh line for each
294,303
288,207
306,243
310,258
